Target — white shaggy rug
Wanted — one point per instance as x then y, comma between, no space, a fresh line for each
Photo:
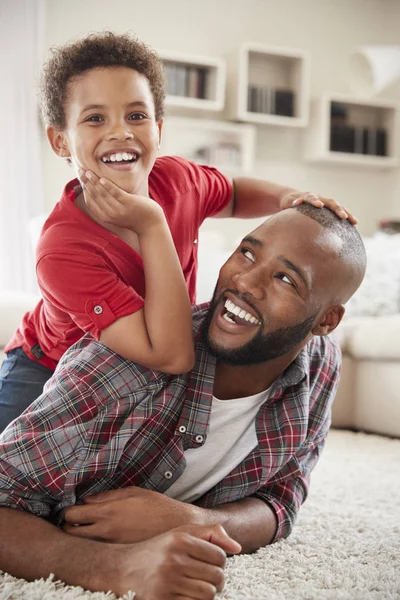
345,545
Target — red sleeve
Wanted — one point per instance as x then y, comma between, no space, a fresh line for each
214,189
83,285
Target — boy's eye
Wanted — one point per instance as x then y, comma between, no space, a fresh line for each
94,119
248,254
137,116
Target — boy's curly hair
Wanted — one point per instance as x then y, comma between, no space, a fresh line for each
96,50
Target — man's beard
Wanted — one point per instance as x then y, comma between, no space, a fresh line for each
261,348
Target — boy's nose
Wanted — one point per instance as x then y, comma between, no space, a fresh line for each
119,131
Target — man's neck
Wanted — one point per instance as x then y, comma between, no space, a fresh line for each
242,381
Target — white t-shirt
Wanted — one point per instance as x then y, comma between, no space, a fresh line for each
231,437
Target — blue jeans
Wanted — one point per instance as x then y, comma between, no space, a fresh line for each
21,382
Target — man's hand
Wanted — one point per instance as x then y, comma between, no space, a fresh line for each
110,204
296,198
186,563
128,515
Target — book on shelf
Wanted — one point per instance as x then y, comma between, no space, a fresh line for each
270,101
358,140
222,154
186,80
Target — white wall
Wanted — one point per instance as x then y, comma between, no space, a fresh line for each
329,29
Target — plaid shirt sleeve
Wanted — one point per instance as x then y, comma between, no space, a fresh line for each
40,448
288,489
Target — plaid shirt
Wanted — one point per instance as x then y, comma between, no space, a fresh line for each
104,422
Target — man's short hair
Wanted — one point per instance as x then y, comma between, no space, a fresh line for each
353,250
97,50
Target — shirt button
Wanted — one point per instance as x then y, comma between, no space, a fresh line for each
167,474
195,242
182,429
98,309
199,439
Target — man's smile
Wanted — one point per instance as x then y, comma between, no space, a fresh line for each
235,316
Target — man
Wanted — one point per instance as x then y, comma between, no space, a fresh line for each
231,444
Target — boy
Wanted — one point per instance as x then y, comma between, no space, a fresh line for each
102,102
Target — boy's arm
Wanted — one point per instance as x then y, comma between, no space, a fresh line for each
160,334
253,198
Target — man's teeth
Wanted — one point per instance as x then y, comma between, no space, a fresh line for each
119,157
239,312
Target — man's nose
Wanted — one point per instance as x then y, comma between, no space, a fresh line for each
119,130
250,282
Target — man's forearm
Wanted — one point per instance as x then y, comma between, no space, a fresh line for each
47,549
251,522
179,562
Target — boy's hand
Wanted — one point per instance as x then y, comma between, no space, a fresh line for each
296,198
110,204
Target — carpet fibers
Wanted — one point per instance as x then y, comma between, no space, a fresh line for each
345,545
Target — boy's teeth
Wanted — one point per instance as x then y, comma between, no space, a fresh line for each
239,312
119,156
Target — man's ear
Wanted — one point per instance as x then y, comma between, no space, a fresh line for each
58,141
329,320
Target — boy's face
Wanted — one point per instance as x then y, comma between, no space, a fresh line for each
111,127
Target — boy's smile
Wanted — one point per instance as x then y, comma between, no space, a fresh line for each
111,127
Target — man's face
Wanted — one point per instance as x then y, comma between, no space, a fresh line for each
271,291
111,127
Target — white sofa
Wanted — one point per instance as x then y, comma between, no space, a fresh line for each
369,392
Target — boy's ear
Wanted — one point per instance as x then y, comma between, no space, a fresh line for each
58,141
329,320
160,126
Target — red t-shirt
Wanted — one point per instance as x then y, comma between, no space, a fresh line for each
89,277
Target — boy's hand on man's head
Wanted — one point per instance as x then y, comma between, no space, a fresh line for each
295,198
110,204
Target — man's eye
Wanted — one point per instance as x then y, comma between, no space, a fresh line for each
137,116
283,277
248,254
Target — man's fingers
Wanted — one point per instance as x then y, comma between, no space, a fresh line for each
110,495
211,574
217,535
82,531
80,515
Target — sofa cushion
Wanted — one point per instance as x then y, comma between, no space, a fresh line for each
379,293
370,337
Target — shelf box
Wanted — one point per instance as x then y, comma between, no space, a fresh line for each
345,130
194,82
227,146
272,86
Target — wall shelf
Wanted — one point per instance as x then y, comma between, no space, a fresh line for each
272,86
194,82
221,144
349,130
